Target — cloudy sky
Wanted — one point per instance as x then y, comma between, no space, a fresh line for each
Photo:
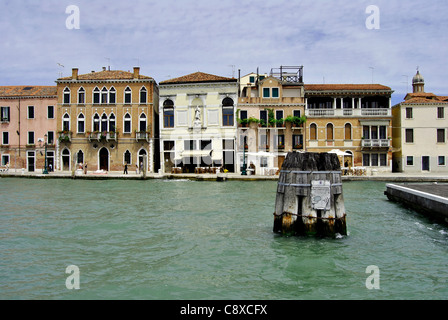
171,38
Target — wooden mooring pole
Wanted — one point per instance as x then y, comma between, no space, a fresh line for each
309,199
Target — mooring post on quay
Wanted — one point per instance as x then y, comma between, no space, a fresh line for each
309,196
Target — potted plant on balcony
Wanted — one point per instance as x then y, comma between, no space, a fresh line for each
298,146
290,119
243,122
253,120
262,123
280,122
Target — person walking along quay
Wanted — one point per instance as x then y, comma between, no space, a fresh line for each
125,169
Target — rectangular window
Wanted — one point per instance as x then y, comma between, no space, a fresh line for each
366,160
297,113
50,112
206,144
5,138
168,117
50,137
374,159
383,160
5,115
297,141
252,79
30,112
409,135
266,93
243,114
190,145
275,92
408,113
280,142
263,118
441,160
228,144
31,138
263,162
409,160
5,159
366,132
227,117
440,135
440,113
383,132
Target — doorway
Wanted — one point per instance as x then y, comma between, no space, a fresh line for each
104,159
66,160
31,156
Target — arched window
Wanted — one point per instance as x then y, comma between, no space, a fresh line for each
66,122
81,123
127,157
330,133
227,112
112,123
142,123
112,95
96,122
80,156
348,131
66,96
104,122
127,95
104,94
313,131
143,95
96,95
168,114
127,123
81,96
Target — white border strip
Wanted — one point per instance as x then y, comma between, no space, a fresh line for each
419,193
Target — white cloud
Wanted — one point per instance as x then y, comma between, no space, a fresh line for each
173,38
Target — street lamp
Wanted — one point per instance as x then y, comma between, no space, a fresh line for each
45,168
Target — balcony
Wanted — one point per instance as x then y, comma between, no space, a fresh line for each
65,136
348,112
376,143
142,135
112,136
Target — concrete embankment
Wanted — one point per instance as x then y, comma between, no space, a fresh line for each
429,199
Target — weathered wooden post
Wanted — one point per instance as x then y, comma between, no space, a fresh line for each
309,196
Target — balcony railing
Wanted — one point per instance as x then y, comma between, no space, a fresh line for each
112,136
142,135
376,143
65,136
348,112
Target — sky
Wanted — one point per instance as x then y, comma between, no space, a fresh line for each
171,38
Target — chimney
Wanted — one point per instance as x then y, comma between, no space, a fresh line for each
75,74
136,72
104,68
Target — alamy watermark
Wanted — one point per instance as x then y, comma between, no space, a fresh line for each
73,280
373,20
73,20
373,280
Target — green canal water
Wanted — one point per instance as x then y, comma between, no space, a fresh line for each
181,240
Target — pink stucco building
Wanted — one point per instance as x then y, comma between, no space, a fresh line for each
27,122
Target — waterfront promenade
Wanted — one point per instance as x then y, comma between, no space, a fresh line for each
388,177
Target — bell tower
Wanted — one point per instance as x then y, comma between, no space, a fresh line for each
418,83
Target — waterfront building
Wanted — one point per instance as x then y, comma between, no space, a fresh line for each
420,131
353,119
28,122
270,119
107,119
198,127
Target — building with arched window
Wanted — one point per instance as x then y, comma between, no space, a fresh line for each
197,123
111,118
354,118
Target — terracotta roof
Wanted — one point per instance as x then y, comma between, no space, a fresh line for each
107,75
422,100
345,87
198,77
27,91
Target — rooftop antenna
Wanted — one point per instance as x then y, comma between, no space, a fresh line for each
372,72
108,64
60,72
407,83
